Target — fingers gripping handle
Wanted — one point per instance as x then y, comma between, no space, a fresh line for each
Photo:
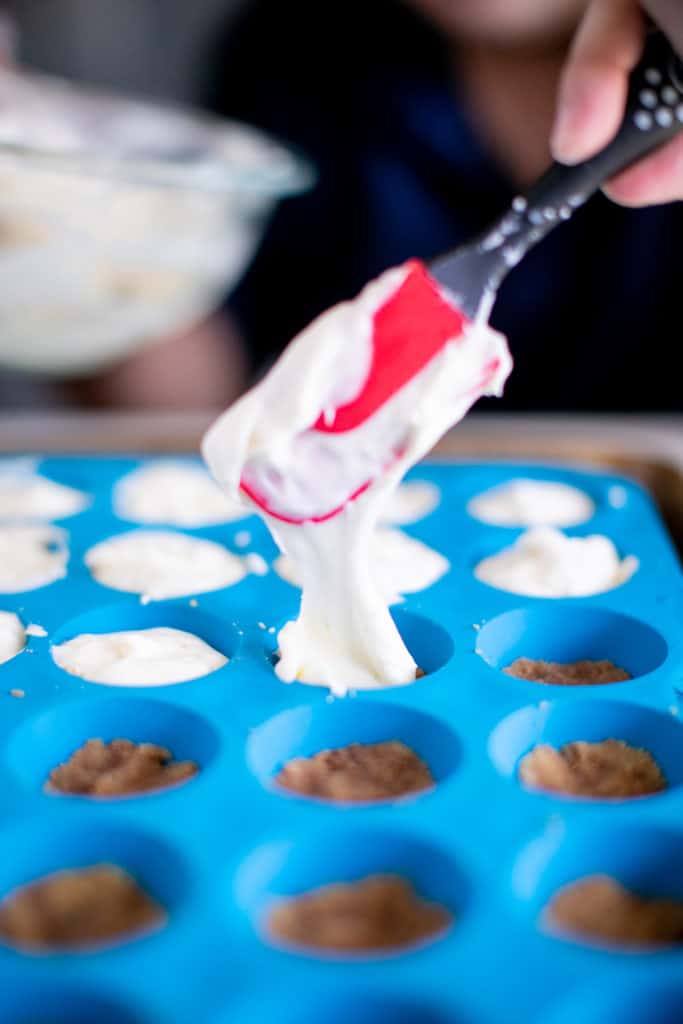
653,115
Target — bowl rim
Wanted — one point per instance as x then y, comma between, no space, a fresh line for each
276,170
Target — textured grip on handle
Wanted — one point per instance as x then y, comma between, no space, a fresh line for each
653,115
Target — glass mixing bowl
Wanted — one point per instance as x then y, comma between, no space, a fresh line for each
121,221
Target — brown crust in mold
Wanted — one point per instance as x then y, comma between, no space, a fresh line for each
607,770
118,768
380,912
572,673
77,908
600,908
360,771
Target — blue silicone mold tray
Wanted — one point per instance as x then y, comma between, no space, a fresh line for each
217,850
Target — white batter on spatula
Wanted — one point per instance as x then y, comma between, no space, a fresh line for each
345,637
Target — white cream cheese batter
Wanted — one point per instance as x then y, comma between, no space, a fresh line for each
525,502
344,637
546,563
141,657
410,502
12,636
159,564
173,493
25,495
400,564
31,556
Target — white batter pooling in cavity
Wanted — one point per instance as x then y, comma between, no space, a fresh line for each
158,656
31,556
12,636
345,637
410,502
400,565
546,563
158,564
525,502
25,495
173,493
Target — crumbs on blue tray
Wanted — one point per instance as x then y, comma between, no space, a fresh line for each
368,852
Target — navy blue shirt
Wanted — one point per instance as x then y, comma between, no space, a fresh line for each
364,88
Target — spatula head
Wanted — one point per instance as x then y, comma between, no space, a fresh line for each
408,331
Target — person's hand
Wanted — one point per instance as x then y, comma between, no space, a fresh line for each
592,97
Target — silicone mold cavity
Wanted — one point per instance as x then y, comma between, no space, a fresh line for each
214,631
25,1001
629,1002
429,643
339,1007
44,741
41,848
304,731
292,867
563,722
568,634
644,858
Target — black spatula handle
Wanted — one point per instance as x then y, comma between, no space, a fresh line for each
653,115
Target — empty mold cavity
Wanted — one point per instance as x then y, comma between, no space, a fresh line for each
41,743
304,731
428,642
25,1003
287,868
571,634
644,859
216,632
566,721
629,1002
43,848
335,1007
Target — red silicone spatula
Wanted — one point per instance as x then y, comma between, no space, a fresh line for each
417,310
431,307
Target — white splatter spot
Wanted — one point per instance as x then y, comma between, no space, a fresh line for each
33,629
256,564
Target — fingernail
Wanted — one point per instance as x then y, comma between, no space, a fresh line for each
563,138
